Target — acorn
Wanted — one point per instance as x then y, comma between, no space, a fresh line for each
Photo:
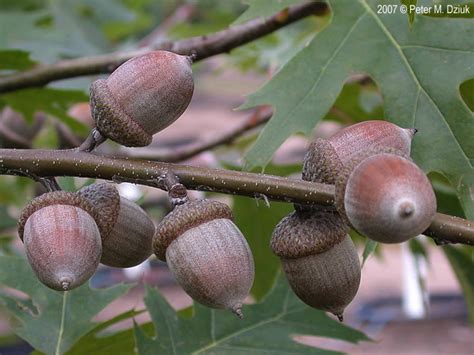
386,197
128,230
207,254
15,132
326,158
61,238
142,97
319,259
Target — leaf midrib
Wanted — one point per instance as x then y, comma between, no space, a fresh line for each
61,327
215,343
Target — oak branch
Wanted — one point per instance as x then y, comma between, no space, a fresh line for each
50,163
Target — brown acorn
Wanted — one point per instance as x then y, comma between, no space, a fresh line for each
386,197
15,132
319,259
128,234
326,158
62,239
141,97
207,254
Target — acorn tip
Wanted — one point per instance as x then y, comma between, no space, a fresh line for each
413,131
238,312
65,283
406,209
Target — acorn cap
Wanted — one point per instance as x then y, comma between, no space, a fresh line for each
341,180
57,198
106,199
321,163
121,129
307,233
185,217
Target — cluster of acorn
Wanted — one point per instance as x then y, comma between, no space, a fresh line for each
379,192
67,235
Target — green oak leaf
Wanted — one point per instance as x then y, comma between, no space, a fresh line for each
6,221
418,71
356,103
462,262
411,14
53,101
259,8
122,342
15,59
467,93
461,258
370,246
246,212
57,29
267,327
49,320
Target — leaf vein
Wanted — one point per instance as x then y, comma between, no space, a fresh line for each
61,327
242,331
408,46
412,73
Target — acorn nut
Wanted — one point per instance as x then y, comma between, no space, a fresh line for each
326,158
62,239
319,259
207,254
386,197
141,97
128,234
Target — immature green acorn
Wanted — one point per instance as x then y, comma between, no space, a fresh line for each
127,238
319,259
62,239
207,254
141,97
